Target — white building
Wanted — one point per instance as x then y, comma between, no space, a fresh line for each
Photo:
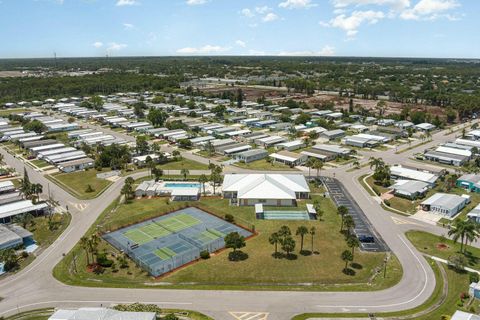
267,189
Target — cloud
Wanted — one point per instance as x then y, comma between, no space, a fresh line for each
128,26
247,13
121,3
351,23
393,4
263,9
196,2
97,44
430,9
241,43
269,17
207,49
113,46
296,4
325,51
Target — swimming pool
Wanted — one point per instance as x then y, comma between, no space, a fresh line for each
285,215
181,185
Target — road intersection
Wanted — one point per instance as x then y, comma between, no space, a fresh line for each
35,287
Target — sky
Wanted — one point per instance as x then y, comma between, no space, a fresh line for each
379,28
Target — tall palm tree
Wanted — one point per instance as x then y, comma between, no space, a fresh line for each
342,210
353,242
301,231
318,165
203,179
312,232
346,256
184,172
458,231
309,164
275,240
86,247
376,163
348,224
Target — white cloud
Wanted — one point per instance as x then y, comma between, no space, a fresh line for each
128,26
325,51
296,4
122,3
269,17
247,13
350,24
241,43
394,4
113,46
263,9
430,9
207,49
196,2
97,44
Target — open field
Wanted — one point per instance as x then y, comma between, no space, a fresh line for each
260,271
77,183
43,235
183,164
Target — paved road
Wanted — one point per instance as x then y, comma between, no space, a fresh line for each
35,287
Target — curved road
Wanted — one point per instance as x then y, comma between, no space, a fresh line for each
35,287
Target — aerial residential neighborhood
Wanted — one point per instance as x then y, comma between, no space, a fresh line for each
239,160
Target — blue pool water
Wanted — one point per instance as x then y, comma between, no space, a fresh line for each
285,215
181,185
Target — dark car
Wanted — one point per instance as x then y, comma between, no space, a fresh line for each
366,238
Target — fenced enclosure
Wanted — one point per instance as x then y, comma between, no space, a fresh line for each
168,242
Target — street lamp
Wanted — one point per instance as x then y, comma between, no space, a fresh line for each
385,260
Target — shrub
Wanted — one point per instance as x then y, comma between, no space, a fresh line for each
204,254
24,254
229,218
89,189
387,203
170,316
473,277
103,261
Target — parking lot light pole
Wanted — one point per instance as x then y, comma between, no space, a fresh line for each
385,266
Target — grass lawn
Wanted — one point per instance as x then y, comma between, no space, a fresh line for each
39,314
260,271
438,304
264,165
77,182
42,233
183,163
403,205
7,112
40,163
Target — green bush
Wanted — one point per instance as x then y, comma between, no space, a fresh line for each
387,203
205,254
103,261
229,218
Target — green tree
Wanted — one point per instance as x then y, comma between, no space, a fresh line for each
203,179
317,165
23,219
301,231
288,245
309,164
342,211
312,232
348,224
234,241
275,239
353,243
10,259
157,117
346,257
96,102
142,145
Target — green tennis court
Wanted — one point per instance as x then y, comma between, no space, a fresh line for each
137,236
174,224
188,219
154,230
165,253
217,233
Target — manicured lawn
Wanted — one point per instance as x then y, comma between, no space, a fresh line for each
39,314
264,165
260,271
431,245
403,204
183,163
77,182
7,112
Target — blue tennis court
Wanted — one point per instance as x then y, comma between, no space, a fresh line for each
165,243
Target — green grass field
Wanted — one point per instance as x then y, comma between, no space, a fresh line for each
260,271
183,163
76,183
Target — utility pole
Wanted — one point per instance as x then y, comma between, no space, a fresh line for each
385,267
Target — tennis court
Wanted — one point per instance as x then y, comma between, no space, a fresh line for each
165,243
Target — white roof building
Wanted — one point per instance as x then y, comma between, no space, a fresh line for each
411,174
100,314
269,189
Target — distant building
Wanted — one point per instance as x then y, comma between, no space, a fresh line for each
251,155
445,204
291,159
470,182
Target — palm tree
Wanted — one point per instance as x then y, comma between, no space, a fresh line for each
342,210
288,245
346,256
458,231
356,164
318,165
353,242
312,232
9,258
24,219
348,223
275,240
203,179
309,164
301,231
184,172
85,246
376,163
284,232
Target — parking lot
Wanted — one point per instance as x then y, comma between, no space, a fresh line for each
363,228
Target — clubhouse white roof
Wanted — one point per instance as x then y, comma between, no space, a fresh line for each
100,314
265,186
